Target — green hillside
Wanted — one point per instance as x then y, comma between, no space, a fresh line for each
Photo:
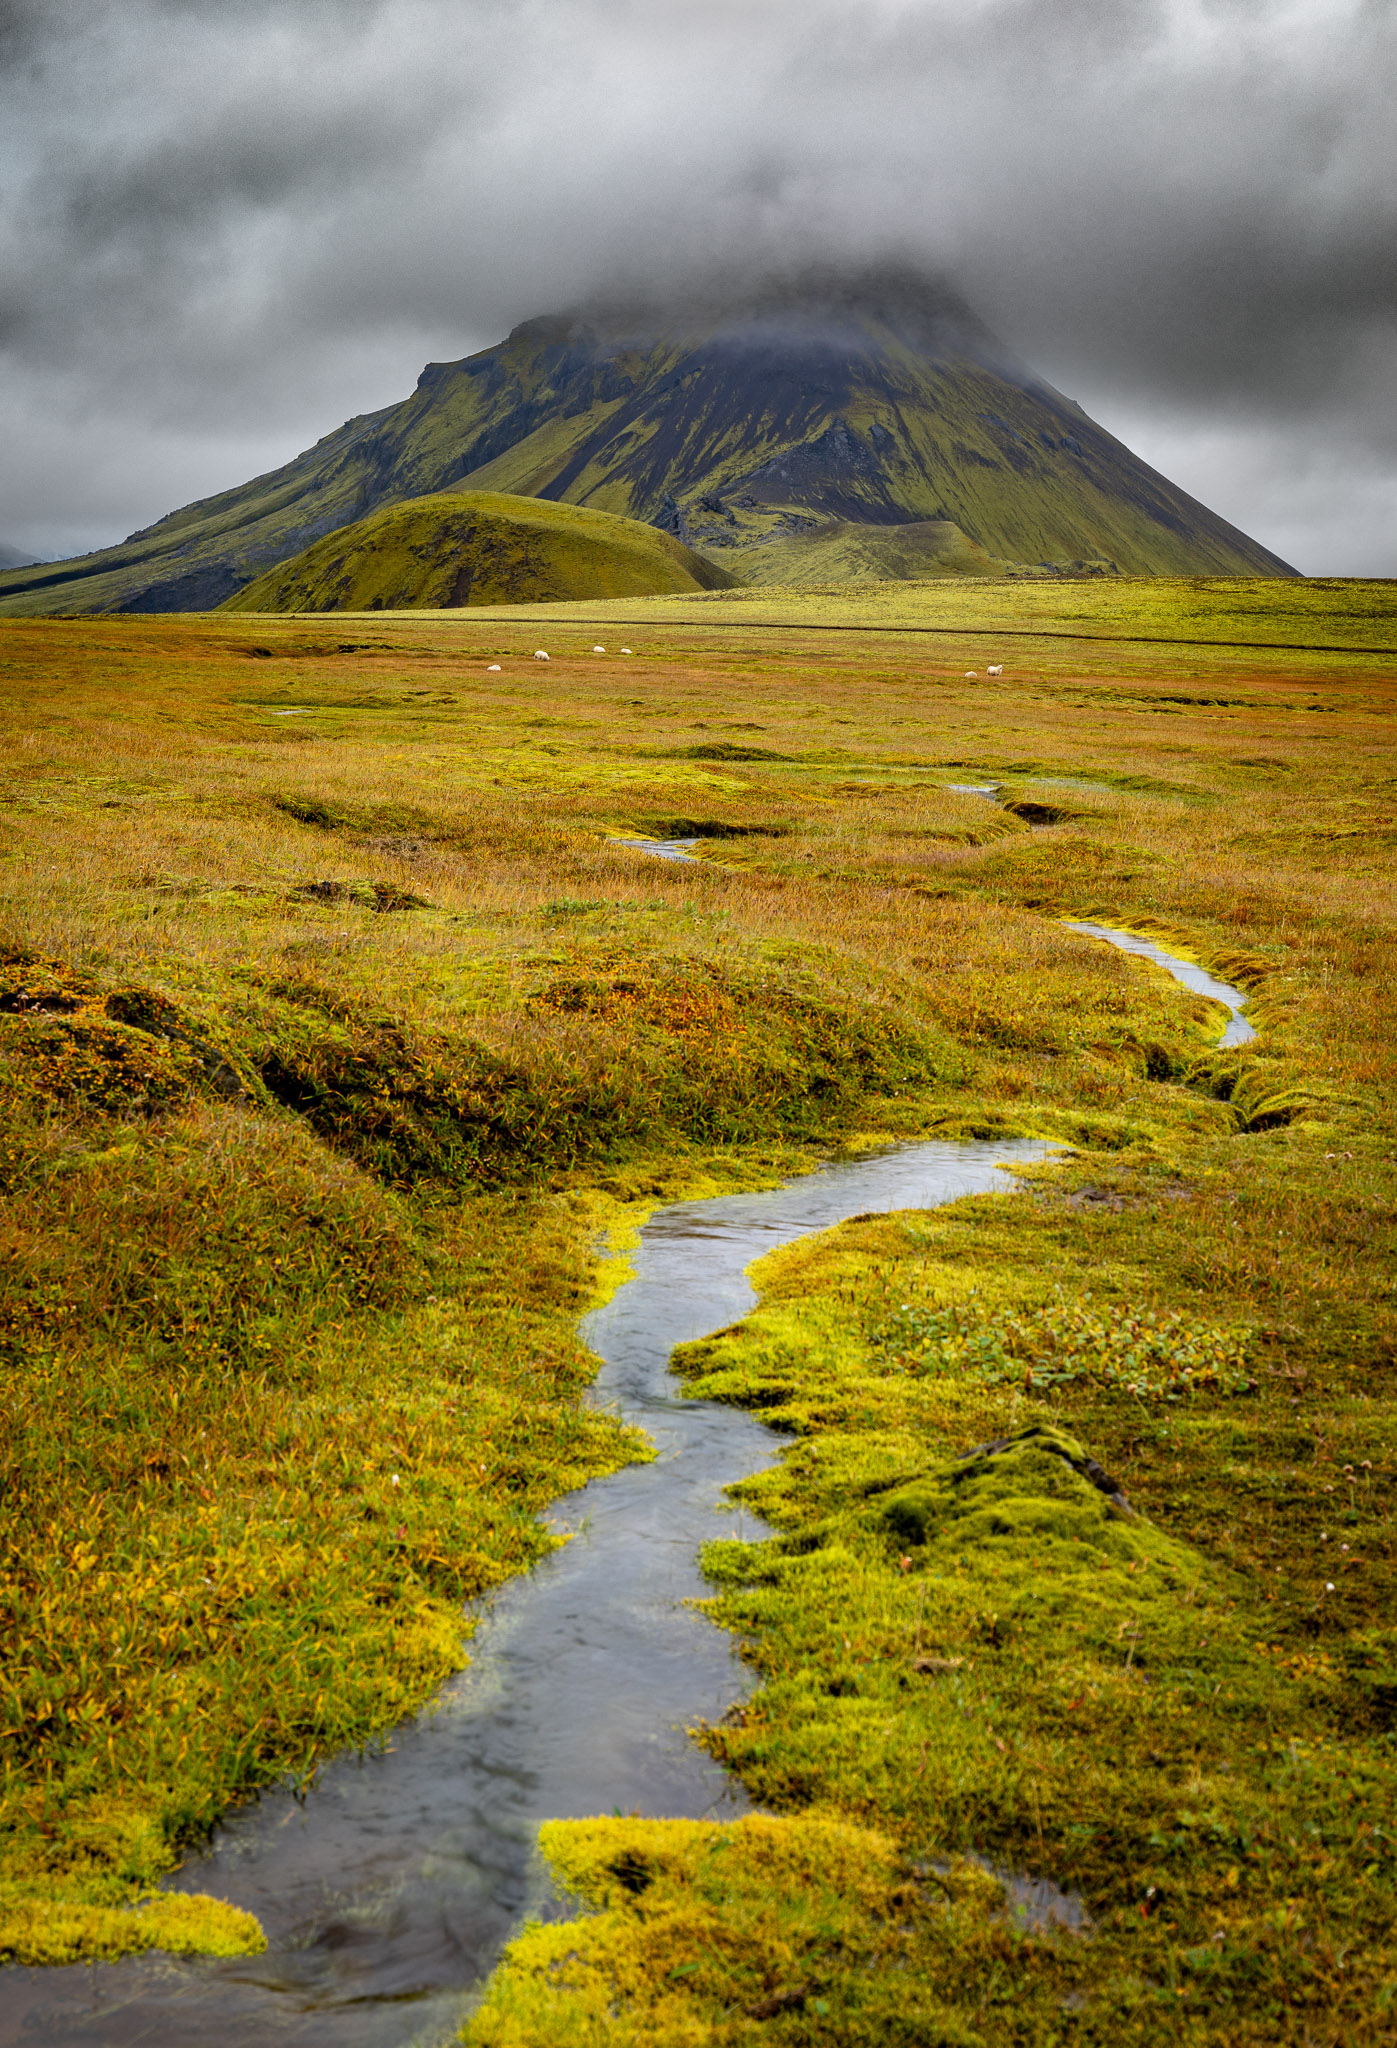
879,400
478,548
845,552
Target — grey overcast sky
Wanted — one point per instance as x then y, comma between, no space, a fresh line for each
227,225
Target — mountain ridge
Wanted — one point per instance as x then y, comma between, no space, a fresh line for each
726,419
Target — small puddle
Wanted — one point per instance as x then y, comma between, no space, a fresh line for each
663,849
1237,1031
388,1892
1035,1904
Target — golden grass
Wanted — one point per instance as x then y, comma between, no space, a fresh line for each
323,1035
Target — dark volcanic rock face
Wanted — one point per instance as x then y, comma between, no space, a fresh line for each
730,421
197,590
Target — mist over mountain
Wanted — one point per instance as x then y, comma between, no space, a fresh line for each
733,415
227,227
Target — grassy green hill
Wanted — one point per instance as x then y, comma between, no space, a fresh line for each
879,400
479,547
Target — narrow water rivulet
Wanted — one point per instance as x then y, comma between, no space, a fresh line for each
1237,1030
388,1892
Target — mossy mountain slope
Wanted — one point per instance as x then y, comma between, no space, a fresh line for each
878,399
478,547
844,551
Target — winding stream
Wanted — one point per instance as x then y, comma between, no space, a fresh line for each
388,1892
1237,1030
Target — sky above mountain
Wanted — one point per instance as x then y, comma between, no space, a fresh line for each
227,225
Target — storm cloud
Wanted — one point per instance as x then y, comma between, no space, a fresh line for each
227,225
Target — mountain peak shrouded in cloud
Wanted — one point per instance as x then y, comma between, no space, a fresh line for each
821,307
740,420
223,224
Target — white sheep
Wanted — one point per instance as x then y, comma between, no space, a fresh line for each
996,668
494,669
972,675
539,654
625,650
598,650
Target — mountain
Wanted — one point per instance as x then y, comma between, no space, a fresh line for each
870,399
845,551
15,558
478,547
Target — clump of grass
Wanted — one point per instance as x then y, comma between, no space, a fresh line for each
1164,1356
636,1051
807,1927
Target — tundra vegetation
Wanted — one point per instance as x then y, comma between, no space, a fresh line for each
337,1026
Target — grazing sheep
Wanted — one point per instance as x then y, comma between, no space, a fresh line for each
996,668
539,654
625,650
598,650
972,675
494,669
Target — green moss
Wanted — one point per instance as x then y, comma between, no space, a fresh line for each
994,1651
996,1659
51,1931
779,1929
477,548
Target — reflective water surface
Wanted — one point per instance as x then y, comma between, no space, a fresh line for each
663,849
388,1892
1237,1030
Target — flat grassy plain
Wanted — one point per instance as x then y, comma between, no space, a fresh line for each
336,1027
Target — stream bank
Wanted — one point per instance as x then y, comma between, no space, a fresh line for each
389,1890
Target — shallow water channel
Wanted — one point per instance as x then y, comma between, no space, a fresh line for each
388,1892
1237,1030
662,849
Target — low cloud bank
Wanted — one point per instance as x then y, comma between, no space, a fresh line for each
231,223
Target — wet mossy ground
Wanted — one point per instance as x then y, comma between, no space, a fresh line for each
1028,1603
330,1042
